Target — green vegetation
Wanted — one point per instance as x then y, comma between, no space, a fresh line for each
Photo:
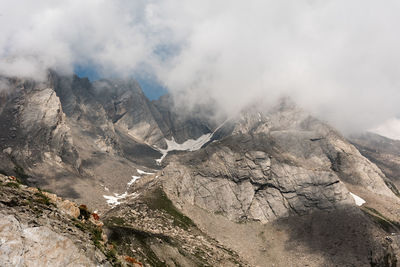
19,171
78,224
392,187
219,212
44,190
95,233
42,199
12,184
159,201
111,255
126,236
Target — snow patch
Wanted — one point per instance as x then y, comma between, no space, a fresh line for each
143,172
359,201
116,199
134,178
188,145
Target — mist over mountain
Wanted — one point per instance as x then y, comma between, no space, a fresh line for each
390,128
337,59
165,185
228,133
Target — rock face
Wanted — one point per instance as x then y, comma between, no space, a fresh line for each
263,168
33,123
271,166
178,124
59,132
130,110
23,245
384,152
35,232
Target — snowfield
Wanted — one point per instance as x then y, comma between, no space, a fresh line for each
188,145
359,201
116,199
134,179
143,172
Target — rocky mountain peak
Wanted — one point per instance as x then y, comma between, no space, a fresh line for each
162,176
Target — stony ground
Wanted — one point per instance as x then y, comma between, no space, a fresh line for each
150,228
38,228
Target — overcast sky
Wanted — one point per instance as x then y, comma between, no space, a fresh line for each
338,59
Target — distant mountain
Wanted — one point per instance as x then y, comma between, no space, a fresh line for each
271,185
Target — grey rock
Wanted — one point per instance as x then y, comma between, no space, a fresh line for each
384,152
34,231
36,246
181,124
272,165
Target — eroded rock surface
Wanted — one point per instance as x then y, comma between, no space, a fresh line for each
22,245
40,229
272,165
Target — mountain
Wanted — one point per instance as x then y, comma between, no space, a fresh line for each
280,188
384,152
78,138
271,186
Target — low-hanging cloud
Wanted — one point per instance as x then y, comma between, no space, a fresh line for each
338,59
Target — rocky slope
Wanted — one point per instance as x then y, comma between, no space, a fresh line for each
150,228
384,152
39,228
79,139
272,166
274,187
268,187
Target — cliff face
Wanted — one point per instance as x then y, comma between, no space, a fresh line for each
185,190
77,138
34,126
271,166
277,187
130,110
384,152
181,125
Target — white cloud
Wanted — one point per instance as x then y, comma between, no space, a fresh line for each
390,129
337,58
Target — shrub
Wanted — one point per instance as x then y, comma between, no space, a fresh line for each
12,184
40,198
